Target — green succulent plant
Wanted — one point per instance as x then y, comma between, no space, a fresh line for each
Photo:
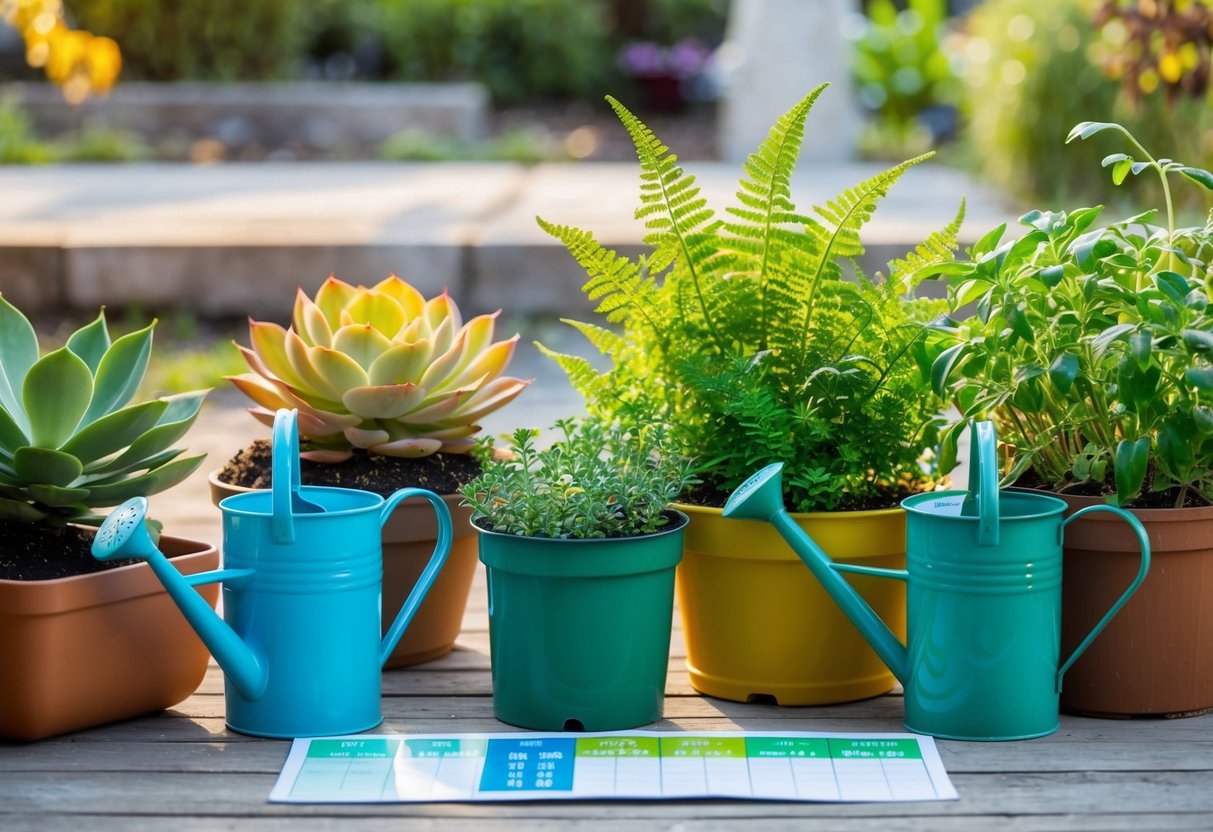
379,368
70,440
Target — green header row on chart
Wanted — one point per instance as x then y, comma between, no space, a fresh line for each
681,746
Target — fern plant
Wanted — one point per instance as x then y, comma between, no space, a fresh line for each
744,335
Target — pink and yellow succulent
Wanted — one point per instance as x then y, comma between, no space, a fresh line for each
379,368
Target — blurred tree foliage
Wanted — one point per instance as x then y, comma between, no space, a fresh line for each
520,49
1032,71
224,40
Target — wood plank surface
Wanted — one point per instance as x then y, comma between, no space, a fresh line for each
182,769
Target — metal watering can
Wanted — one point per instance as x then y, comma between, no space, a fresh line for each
983,587
299,641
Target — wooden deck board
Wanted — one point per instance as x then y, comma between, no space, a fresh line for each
181,769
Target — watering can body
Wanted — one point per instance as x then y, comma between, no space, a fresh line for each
300,641
310,611
983,656
983,590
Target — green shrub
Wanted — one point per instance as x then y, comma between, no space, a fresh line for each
222,40
1031,75
519,49
902,69
18,143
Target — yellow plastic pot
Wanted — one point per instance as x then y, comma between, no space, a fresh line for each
759,626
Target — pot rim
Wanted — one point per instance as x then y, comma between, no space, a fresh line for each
691,509
680,518
1156,515
213,479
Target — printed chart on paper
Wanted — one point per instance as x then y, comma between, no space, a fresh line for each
626,765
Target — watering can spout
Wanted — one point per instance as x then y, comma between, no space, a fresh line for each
124,535
761,498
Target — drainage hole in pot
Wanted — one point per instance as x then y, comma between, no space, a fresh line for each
573,725
761,699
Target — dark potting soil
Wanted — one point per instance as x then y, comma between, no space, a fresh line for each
1148,498
709,495
29,552
440,473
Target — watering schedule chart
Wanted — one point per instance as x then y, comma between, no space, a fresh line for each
629,765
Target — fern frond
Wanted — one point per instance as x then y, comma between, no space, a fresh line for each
583,376
619,285
846,214
765,192
937,248
602,339
680,224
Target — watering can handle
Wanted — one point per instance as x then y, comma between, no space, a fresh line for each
285,471
1144,541
441,549
983,481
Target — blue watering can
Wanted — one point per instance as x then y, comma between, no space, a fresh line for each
302,590
983,591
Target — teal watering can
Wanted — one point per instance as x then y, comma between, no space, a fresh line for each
983,590
299,642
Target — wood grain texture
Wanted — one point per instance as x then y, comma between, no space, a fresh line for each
182,769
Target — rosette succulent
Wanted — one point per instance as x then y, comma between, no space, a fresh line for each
70,440
378,368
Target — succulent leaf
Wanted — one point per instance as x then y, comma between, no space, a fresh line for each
11,435
120,373
56,395
152,482
46,466
18,352
91,342
379,368
114,432
331,297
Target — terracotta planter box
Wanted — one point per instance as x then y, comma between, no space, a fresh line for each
83,651
1156,656
408,541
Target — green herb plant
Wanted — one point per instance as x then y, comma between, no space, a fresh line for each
1090,346
70,439
595,481
745,338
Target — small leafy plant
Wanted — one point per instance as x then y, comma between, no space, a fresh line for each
379,368
744,336
596,481
70,440
1091,348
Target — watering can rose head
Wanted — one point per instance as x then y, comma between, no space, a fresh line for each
70,439
378,368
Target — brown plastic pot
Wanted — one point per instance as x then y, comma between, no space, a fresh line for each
409,538
1156,656
91,649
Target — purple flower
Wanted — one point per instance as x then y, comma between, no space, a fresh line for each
685,59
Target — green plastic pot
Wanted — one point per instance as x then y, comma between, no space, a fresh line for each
579,630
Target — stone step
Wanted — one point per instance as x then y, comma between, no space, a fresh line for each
235,240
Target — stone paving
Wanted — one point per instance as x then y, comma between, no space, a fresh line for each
233,240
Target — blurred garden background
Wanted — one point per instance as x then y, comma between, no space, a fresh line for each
992,85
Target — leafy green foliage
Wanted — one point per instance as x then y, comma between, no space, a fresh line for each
594,482
517,48
70,439
900,65
743,336
1033,70
225,40
1090,347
